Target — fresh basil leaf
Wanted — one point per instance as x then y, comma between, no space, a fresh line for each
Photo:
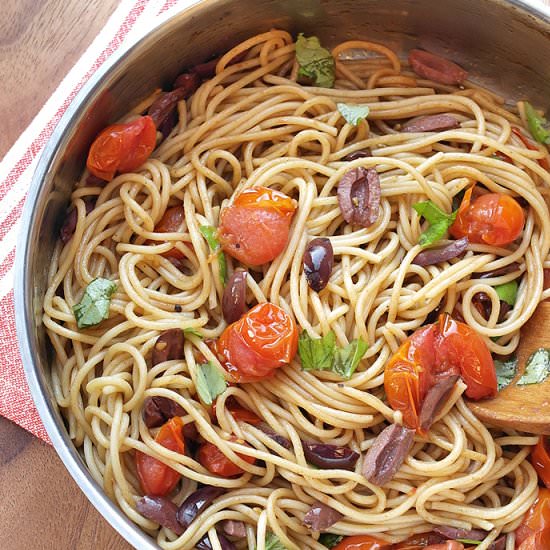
508,292
315,62
194,332
210,382
353,113
94,304
330,540
439,222
272,542
506,370
469,541
537,124
317,353
346,359
209,233
537,368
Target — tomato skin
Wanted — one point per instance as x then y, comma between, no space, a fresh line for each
255,228
537,541
156,478
544,161
240,414
171,222
540,458
122,148
362,542
493,218
217,463
447,347
262,340
536,519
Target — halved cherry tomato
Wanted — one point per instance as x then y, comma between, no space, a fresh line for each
216,462
444,348
537,541
240,414
172,221
540,458
255,228
262,340
122,147
492,218
544,161
362,542
536,519
157,478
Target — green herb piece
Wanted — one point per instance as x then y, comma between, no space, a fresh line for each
330,540
506,370
347,359
353,113
323,354
438,220
537,368
508,292
537,124
272,542
193,332
209,233
469,541
315,62
94,305
317,353
210,382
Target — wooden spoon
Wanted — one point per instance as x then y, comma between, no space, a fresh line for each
524,408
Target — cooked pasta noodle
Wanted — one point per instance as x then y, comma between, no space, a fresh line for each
253,125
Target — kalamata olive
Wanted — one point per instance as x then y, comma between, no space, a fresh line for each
330,456
359,196
443,254
161,510
434,400
164,105
433,67
69,227
456,533
499,544
196,503
431,123
321,516
362,153
318,261
187,82
483,304
234,528
280,439
234,297
205,544
514,266
158,410
169,346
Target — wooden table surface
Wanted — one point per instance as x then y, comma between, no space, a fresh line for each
42,507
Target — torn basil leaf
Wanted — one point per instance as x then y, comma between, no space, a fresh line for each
94,304
193,332
508,292
272,542
469,541
506,370
537,368
317,353
346,359
439,222
537,124
316,63
353,114
209,233
330,540
210,382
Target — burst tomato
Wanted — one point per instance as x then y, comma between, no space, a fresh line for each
255,228
544,161
172,221
493,218
216,462
540,458
445,348
122,148
157,478
362,542
537,518
537,541
262,340
240,414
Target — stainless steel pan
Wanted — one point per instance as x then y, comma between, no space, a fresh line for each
504,44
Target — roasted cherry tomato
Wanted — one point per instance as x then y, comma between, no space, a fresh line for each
540,458
362,542
446,347
262,340
240,414
544,161
493,218
255,228
216,462
122,148
157,478
537,519
171,222
537,541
